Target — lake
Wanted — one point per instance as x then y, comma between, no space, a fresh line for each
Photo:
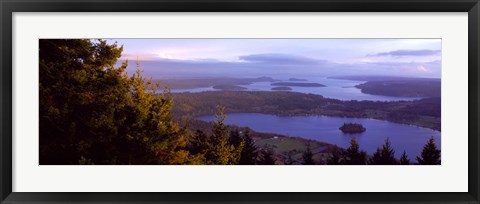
324,128
335,88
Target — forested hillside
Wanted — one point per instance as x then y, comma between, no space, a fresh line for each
424,113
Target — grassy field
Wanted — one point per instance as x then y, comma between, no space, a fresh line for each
294,146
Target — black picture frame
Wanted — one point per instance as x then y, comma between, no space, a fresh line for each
7,8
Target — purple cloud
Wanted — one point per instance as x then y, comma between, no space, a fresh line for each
398,53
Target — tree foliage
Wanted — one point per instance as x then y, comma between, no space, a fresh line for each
384,155
198,143
354,156
220,150
352,128
250,151
94,113
404,159
430,154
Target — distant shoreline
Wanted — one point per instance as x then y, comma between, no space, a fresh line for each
421,113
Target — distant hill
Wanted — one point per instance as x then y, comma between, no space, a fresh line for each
423,113
202,83
397,86
383,78
403,88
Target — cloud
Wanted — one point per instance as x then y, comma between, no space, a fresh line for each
399,53
275,58
281,65
431,68
139,56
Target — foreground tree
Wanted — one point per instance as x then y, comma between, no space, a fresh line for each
404,159
220,151
249,151
430,154
198,142
354,156
235,137
384,155
94,113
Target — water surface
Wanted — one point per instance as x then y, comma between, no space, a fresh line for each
335,88
324,128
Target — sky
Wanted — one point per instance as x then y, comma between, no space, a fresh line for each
196,58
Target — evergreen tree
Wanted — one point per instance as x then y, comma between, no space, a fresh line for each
235,138
307,156
94,113
199,142
404,159
67,70
220,151
430,154
267,156
353,155
250,151
384,155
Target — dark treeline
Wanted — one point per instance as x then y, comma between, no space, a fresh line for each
384,155
420,87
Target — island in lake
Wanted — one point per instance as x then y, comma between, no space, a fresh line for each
352,128
297,84
296,79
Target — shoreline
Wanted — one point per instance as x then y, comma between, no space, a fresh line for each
310,115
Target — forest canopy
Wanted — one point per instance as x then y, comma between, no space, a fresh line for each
93,112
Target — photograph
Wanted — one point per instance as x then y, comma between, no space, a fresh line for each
263,101
240,101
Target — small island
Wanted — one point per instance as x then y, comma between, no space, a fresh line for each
297,84
281,88
296,79
352,128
